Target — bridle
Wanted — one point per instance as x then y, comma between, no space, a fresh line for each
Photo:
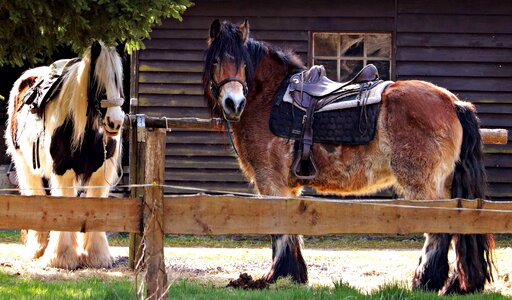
215,87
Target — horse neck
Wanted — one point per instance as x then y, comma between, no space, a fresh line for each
73,99
270,73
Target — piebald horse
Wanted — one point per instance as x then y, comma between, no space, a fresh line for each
71,139
427,146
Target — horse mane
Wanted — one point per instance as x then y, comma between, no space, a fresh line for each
229,41
75,98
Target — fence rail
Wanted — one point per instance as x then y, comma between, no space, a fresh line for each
151,215
216,215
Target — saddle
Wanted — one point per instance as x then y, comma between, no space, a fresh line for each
345,112
46,88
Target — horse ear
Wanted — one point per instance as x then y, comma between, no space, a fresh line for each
244,28
214,30
95,50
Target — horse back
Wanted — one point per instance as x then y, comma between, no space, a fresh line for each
20,88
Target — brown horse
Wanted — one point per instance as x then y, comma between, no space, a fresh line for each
427,146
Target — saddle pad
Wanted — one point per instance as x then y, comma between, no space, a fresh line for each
341,122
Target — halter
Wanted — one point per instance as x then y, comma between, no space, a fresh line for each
215,87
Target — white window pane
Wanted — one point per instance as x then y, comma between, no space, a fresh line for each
379,45
325,44
352,45
349,68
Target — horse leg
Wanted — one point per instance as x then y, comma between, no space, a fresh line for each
287,259
433,267
96,252
426,183
473,264
62,250
30,185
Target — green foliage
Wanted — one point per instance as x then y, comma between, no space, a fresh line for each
31,30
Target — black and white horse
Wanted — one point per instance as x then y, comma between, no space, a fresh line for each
64,127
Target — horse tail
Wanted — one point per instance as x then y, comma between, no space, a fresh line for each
474,263
469,178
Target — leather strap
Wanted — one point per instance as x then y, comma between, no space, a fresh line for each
307,133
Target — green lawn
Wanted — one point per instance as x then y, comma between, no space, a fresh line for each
16,287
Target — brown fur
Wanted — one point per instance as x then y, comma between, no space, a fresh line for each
22,89
415,150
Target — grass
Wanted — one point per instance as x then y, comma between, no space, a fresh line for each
17,287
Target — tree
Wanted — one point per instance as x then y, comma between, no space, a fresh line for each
31,30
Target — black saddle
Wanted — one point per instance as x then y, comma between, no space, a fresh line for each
47,88
314,95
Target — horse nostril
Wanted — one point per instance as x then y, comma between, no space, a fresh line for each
241,106
230,104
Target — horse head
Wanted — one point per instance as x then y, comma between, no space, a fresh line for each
227,69
105,93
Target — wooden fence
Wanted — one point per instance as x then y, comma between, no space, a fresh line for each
151,214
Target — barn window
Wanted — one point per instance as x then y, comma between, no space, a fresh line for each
344,54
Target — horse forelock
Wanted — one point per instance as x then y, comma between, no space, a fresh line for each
228,44
76,96
108,73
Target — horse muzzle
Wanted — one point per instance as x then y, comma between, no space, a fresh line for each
112,125
233,109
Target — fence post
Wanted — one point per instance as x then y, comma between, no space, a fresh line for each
156,277
137,158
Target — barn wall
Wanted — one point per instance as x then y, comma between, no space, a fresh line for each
468,50
465,48
170,69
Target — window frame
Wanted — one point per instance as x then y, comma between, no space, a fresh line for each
338,58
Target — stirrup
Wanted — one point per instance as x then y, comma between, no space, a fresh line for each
308,165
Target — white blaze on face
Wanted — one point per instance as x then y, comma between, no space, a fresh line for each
232,99
114,119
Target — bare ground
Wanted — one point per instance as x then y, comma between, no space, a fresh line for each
363,269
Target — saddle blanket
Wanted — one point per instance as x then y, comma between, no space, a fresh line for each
350,120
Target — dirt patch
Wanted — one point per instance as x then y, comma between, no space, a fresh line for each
362,269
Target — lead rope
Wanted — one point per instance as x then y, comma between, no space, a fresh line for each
230,137
105,167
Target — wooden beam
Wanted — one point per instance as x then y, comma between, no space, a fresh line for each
200,214
171,123
156,277
45,213
489,136
494,136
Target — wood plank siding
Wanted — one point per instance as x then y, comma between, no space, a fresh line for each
468,50
465,48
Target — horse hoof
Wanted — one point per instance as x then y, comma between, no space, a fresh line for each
30,253
69,262
97,260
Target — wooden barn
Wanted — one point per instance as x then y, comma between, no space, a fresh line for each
464,46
